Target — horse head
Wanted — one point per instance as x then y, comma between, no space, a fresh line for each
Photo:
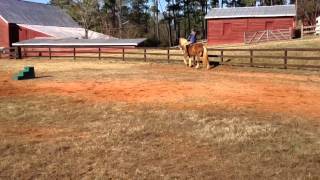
183,43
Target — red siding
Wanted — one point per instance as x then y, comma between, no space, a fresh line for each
239,26
25,34
4,34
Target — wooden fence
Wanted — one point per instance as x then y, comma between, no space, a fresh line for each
305,30
280,57
278,60
119,53
8,52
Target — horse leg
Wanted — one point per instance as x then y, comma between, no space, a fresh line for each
190,63
205,58
204,62
198,62
208,64
185,59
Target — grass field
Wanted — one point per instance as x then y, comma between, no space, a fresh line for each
89,119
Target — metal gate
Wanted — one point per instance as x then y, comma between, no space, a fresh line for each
267,35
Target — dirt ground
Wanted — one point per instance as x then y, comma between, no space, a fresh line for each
236,88
69,103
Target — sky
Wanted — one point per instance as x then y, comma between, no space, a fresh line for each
161,7
40,1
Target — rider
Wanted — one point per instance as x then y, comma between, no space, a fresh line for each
192,38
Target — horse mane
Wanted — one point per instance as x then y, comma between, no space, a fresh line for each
183,42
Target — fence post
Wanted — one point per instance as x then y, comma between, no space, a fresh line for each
221,53
74,53
251,57
11,52
145,54
168,55
17,52
285,58
122,54
50,53
25,52
301,31
99,53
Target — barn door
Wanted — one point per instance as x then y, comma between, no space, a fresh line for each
269,25
13,33
227,29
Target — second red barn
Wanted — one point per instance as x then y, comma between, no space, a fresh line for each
250,24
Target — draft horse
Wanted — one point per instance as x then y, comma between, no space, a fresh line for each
195,51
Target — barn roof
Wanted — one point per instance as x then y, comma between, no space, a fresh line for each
257,11
23,12
80,42
66,32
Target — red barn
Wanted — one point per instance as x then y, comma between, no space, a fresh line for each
250,24
22,20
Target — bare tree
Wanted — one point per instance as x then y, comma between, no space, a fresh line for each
155,14
118,10
308,11
87,12
157,19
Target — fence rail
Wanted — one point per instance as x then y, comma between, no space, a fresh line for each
285,58
8,52
252,57
307,30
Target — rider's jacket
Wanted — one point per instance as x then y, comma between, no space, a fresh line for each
192,38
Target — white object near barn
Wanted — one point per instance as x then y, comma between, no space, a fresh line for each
318,26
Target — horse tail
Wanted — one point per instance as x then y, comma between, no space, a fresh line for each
205,57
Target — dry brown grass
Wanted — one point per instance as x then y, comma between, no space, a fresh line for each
53,137
45,135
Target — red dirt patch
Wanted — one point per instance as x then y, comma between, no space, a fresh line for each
267,92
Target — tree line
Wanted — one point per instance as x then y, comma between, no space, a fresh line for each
162,24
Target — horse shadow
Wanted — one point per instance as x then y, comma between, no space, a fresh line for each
214,64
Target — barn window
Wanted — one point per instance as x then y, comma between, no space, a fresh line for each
269,25
226,28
